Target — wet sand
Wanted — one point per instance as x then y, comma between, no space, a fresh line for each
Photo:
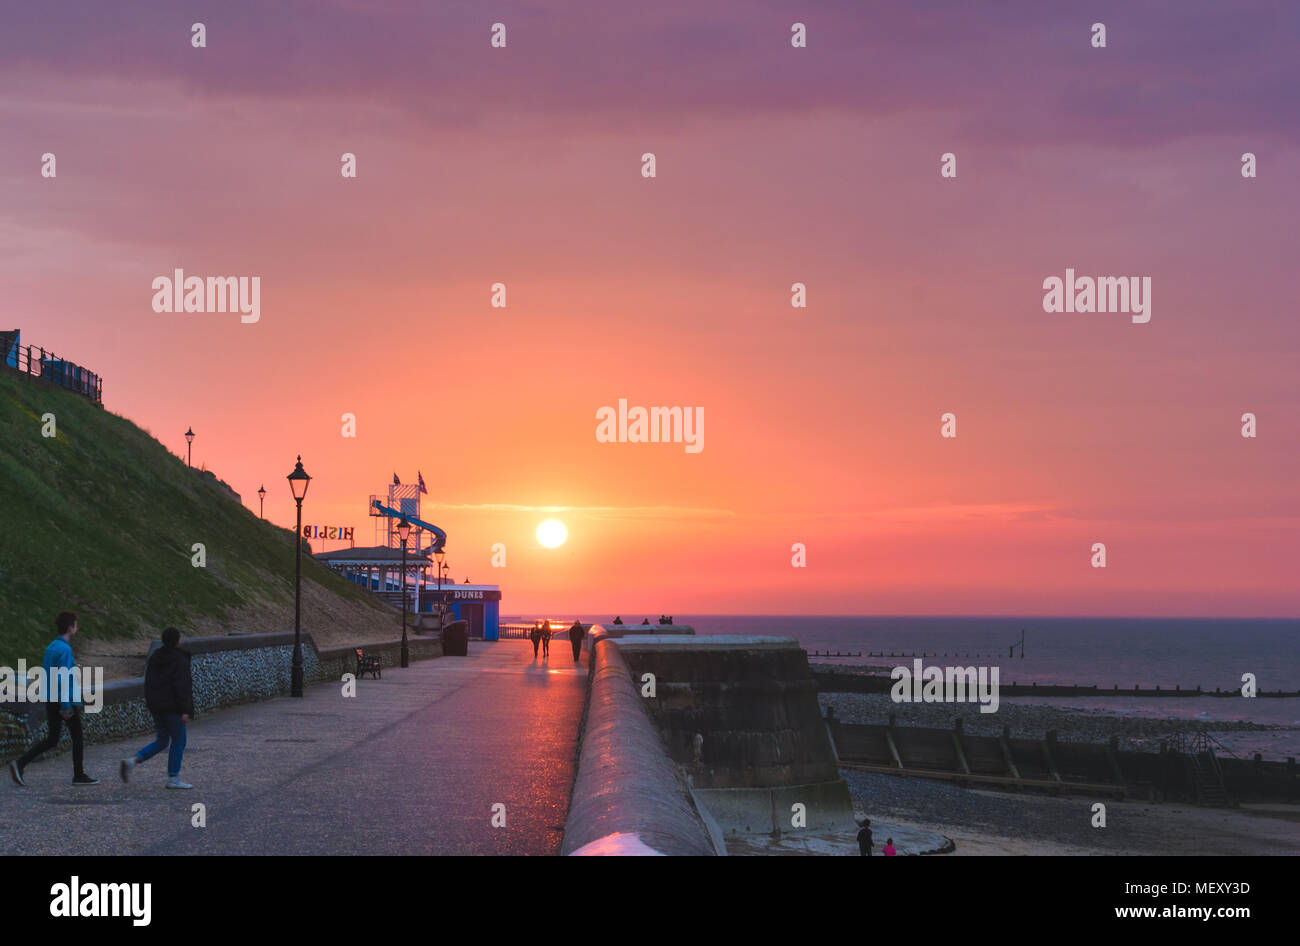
984,822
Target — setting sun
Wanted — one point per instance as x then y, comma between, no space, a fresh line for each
552,533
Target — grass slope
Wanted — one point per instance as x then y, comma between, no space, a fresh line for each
101,520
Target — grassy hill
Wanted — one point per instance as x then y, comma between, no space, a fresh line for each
101,519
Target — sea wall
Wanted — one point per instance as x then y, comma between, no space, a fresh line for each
628,796
739,716
603,631
749,702
238,668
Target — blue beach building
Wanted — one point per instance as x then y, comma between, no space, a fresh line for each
477,605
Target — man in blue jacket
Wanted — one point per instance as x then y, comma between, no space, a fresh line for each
62,702
169,695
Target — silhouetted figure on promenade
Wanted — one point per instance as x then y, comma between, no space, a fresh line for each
546,639
646,622
864,838
62,702
536,637
169,695
617,619
576,634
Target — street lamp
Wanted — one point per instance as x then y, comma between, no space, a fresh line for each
441,555
298,481
261,498
419,572
189,444
403,533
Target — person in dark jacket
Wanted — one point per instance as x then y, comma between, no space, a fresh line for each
864,838
536,637
169,695
546,638
576,634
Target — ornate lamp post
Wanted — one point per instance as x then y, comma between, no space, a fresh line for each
441,555
298,482
403,533
419,573
261,499
189,444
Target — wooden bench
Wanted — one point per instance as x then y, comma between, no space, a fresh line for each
368,664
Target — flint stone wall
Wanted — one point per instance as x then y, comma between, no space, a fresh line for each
239,668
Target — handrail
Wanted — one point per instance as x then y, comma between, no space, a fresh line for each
39,363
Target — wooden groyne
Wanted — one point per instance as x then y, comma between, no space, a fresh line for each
1185,768
907,656
842,681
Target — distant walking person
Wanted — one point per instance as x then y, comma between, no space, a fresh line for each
169,695
546,638
576,634
536,637
889,850
864,838
62,703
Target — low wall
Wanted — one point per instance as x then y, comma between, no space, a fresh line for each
628,796
239,668
336,661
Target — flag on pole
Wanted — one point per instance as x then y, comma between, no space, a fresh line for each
421,478
396,481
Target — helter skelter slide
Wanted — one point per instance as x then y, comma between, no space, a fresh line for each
439,537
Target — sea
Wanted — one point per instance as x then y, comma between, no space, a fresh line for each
1148,652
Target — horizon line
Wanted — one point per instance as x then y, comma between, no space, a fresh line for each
1010,617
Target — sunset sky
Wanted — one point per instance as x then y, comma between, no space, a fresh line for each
775,165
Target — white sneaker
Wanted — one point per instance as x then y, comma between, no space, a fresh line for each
175,782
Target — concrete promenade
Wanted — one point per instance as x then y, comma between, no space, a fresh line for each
412,765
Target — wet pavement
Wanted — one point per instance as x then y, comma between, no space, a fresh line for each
415,763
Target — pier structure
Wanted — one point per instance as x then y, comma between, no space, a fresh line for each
379,568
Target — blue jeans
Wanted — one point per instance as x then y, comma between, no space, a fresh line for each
170,729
